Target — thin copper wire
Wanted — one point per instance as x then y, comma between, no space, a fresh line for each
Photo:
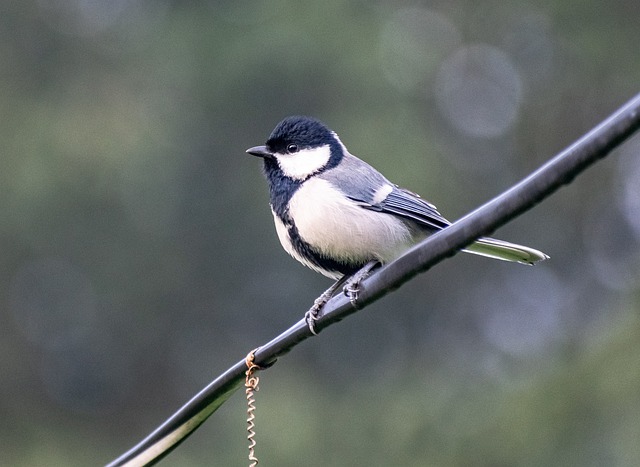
251,385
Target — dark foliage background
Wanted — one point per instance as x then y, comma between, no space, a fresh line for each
139,258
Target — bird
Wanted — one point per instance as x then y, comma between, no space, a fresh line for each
341,217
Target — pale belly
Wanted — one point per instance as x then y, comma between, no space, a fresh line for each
341,229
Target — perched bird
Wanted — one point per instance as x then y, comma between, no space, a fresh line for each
337,215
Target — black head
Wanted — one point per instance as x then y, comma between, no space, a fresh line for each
296,133
298,148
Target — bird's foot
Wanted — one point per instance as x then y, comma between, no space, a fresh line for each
313,314
352,288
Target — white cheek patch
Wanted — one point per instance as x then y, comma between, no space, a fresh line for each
305,162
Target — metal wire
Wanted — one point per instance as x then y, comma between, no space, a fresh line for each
251,385
536,187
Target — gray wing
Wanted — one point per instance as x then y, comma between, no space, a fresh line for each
404,203
369,188
364,184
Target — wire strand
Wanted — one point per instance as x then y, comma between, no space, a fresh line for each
251,385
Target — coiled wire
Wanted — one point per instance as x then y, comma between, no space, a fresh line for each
251,385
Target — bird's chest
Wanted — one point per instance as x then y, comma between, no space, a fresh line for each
339,228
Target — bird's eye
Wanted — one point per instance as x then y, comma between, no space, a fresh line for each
292,148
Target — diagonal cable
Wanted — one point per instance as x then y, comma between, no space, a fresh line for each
559,171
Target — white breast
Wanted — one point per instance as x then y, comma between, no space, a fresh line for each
342,229
285,241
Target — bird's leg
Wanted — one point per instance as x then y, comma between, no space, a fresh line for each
352,287
311,316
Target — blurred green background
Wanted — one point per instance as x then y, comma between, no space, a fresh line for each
139,259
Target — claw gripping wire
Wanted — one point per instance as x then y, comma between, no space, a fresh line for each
251,385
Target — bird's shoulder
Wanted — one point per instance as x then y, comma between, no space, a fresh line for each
356,179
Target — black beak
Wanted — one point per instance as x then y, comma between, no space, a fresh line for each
260,151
